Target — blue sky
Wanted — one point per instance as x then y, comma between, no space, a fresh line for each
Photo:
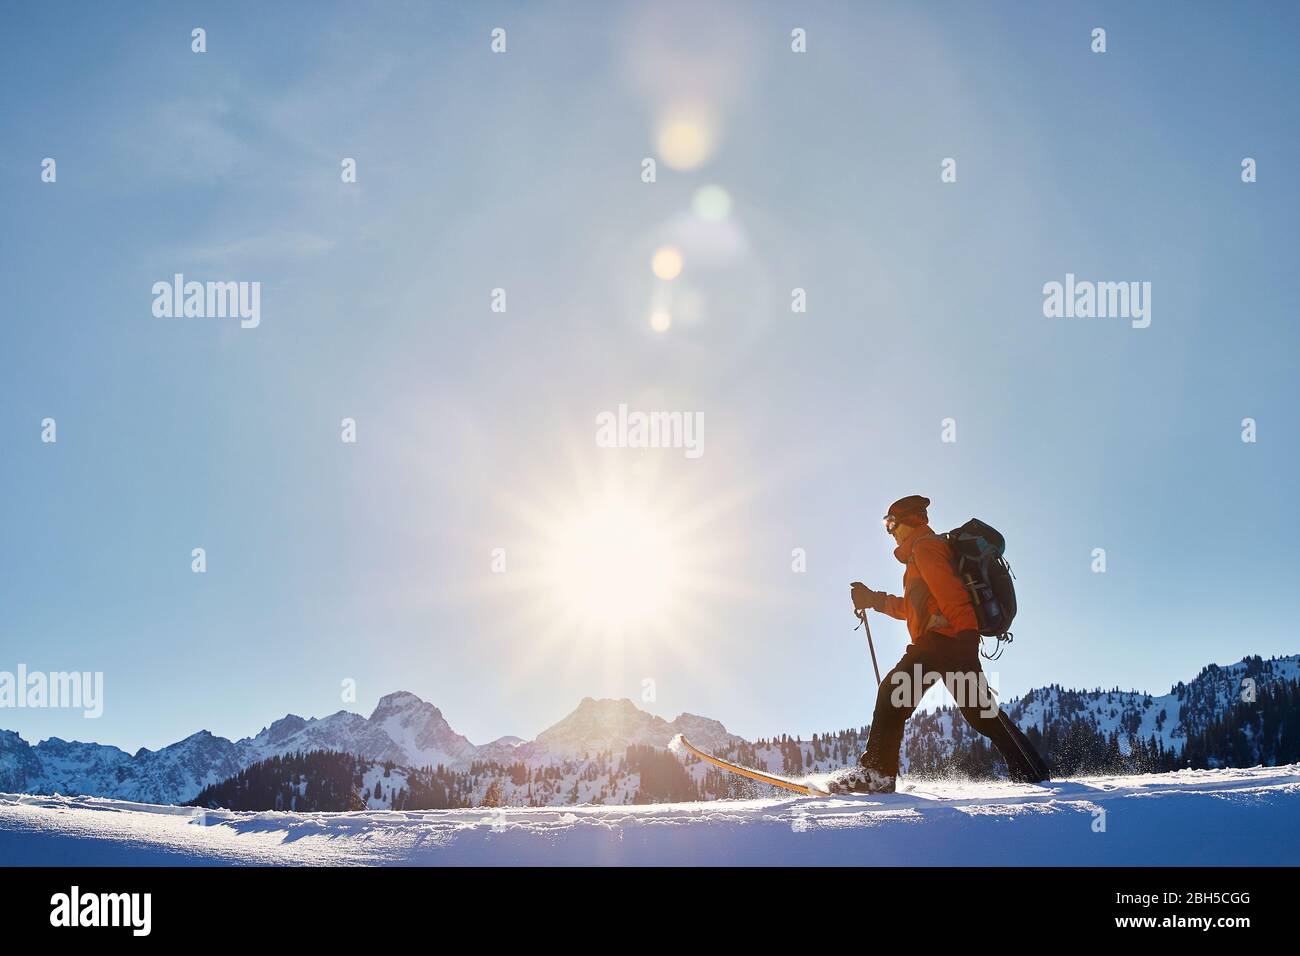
522,171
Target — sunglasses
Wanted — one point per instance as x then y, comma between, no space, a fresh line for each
890,523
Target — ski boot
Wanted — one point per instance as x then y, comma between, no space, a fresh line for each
860,780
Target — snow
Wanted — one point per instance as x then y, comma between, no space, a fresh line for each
1190,817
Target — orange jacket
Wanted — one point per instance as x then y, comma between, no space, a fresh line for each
933,596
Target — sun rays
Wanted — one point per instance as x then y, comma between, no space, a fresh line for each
616,570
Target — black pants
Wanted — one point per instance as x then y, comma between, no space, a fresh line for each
955,662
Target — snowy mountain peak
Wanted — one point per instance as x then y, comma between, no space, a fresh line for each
609,724
1170,718
283,729
419,729
400,700
704,731
606,707
199,737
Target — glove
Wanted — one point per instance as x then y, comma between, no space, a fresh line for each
864,597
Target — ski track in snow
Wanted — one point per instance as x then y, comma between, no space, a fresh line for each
1190,817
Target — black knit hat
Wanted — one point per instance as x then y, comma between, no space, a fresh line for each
911,505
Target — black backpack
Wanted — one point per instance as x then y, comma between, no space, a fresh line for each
977,550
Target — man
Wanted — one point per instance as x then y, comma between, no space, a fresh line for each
945,647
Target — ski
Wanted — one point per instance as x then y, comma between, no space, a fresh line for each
762,776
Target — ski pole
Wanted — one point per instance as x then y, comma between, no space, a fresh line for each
862,616
1038,766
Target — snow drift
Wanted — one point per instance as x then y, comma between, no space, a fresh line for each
1190,817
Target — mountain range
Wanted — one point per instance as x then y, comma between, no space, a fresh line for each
406,731
403,730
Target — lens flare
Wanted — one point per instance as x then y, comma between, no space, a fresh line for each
711,203
667,262
686,138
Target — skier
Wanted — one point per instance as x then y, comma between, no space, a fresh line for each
945,644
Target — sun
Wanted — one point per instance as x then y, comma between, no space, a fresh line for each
613,565
610,570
